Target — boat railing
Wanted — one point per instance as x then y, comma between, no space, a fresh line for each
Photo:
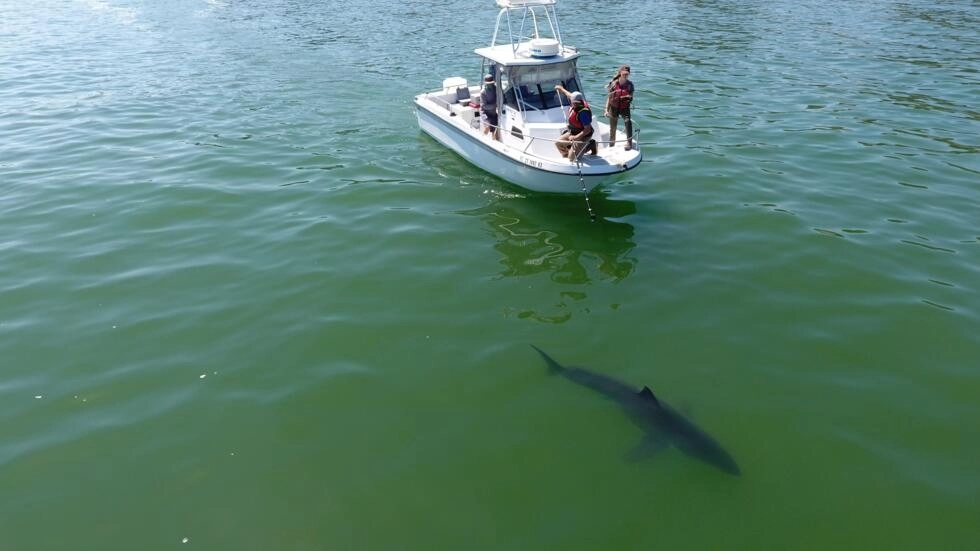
530,143
635,138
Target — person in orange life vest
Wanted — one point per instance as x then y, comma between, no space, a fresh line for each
488,107
579,132
618,105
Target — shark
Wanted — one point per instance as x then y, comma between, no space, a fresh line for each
662,425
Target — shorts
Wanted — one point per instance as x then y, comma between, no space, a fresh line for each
615,113
488,119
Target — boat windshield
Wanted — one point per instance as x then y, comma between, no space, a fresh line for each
530,87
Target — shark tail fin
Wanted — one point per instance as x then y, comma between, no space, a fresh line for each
553,366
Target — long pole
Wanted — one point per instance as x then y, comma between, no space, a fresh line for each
585,192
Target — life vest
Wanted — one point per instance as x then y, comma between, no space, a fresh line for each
620,96
573,123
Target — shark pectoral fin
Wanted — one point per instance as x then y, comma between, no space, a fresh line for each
649,447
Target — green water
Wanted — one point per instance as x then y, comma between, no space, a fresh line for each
246,304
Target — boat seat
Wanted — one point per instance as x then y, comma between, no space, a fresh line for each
548,132
462,94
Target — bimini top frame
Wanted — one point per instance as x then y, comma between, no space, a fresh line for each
525,20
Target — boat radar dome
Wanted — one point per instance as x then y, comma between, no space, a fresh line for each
544,47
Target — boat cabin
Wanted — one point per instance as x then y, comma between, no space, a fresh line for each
528,59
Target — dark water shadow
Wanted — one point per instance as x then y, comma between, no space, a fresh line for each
552,234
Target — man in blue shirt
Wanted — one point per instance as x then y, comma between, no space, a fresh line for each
579,133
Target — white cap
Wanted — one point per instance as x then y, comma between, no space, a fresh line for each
577,96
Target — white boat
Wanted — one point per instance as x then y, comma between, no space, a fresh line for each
527,58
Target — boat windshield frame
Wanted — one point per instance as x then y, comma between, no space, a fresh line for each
532,87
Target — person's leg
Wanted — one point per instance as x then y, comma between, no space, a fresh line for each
613,120
578,147
563,144
494,127
629,129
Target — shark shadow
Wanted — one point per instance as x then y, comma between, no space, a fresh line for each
662,425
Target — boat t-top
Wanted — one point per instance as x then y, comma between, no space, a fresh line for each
526,59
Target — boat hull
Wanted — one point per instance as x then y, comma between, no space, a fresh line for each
510,163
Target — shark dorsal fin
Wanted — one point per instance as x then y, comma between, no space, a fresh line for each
647,394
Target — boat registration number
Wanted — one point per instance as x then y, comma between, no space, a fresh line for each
531,162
